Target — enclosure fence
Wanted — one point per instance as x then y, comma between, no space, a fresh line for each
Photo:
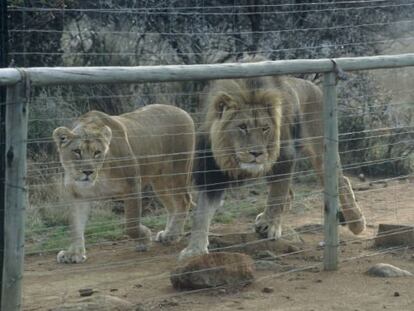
20,80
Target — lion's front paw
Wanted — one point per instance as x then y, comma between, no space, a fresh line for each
192,252
70,257
167,238
266,228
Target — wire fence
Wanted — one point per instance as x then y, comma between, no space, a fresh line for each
376,133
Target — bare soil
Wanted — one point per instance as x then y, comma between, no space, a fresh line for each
115,269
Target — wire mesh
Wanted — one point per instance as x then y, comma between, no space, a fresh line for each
376,133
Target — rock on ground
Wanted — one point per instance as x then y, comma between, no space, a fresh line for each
249,243
394,235
214,270
386,271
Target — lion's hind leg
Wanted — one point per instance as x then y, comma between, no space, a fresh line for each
351,212
350,209
134,228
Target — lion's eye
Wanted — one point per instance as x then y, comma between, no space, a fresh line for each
243,127
266,129
97,153
77,152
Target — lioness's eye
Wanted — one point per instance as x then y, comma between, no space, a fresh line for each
266,129
77,151
97,153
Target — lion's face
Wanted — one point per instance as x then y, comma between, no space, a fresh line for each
244,121
82,152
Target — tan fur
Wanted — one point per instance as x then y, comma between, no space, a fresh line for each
274,103
230,104
152,145
250,125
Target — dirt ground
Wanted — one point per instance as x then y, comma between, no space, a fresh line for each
115,269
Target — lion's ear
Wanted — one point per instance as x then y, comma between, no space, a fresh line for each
107,134
62,136
222,103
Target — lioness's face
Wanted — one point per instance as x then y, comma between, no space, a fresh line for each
245,131
82,153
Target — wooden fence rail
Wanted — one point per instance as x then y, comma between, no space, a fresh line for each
17,80
93,75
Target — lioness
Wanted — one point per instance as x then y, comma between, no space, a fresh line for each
114,156
252,129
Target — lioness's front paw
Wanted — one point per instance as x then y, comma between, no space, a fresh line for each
167,238
70,257
192,252
266,228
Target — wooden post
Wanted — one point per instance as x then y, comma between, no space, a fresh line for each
3,64
331,197
15,196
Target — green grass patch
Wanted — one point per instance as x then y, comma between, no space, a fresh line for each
156,222
103,225
239,208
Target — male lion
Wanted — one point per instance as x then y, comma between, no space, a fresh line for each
251,130
114,156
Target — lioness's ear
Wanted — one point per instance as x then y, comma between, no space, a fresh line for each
222,103
62,136
107,133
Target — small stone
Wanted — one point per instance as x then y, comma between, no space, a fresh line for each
268,290
396,294
361,177
86,292
386,271
113,290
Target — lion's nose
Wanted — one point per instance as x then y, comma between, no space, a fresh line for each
88,172
256,154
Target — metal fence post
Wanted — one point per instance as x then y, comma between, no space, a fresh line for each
331,197
15,195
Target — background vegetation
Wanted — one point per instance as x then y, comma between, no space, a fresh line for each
152,32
